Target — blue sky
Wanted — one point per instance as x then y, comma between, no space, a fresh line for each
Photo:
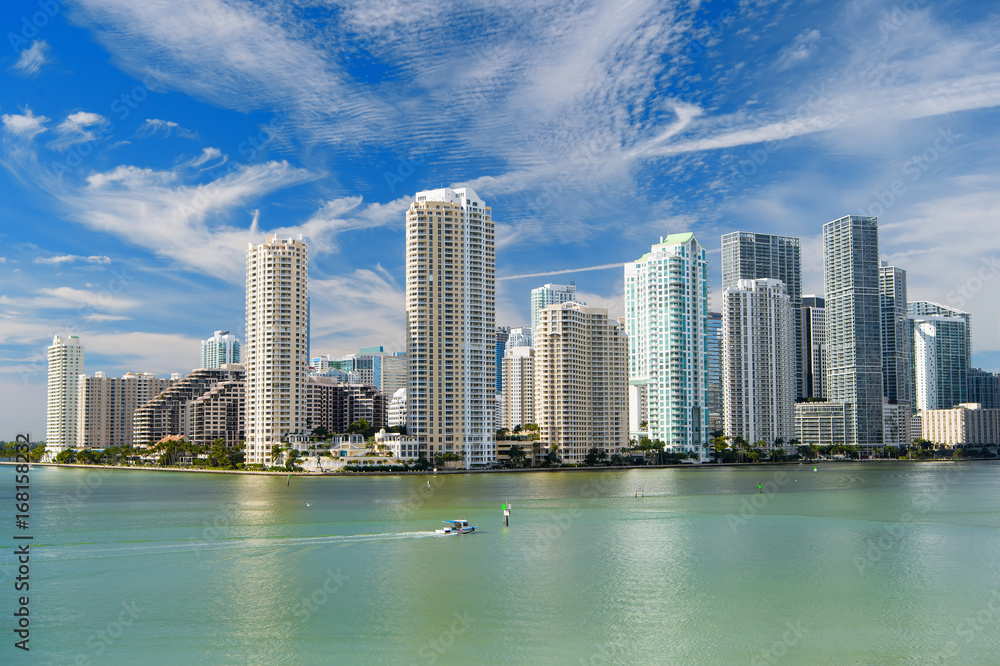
144,144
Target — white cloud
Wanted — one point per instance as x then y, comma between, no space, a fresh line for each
65,258
78,128
602,267
207,155
67,297
803,47
26,126
165,127
33,58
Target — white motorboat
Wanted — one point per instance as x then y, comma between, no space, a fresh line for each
457,527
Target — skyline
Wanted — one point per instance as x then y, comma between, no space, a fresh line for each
132,190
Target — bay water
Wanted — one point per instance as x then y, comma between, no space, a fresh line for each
848,564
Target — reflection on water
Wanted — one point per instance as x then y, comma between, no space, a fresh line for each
868,563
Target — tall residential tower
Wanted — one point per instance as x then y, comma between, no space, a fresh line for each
451,339
63,408
666,321
277,351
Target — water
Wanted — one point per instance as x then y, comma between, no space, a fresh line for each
893,563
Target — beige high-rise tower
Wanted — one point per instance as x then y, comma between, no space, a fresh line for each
276,346
581,381
450,300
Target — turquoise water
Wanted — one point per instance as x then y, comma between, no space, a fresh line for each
878,563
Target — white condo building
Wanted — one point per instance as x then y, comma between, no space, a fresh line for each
219,350
276,363
396,411
758,361
942,354
666,320
518,403
450,312
546,295
581,379
65,357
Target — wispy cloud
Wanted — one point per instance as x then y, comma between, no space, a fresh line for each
154,126
562,272
802,48
31,60
78,127
67,258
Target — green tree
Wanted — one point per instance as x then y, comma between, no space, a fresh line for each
516,455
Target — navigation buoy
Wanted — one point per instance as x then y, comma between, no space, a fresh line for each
814,470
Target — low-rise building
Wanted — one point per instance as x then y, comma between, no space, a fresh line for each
968,424
820,423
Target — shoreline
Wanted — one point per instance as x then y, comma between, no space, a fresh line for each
490,471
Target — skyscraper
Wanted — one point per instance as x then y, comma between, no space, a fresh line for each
519,387
758,361
896,362
65,357
219,350
853,325
503,332
546,295
984,388
666,320
108,406
581,381
277,321
814,346
715,375
520,336
941,355
752,256
451,343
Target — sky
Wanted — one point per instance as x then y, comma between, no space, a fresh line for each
143,145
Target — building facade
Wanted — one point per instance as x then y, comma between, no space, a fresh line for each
967,424
503,332
853,326
335,406
219,350
820,423
942,353
897,384
546,295
62,410
277,350
581,379
518,401
451,344
752,256
666,320
108,404
984,388
396,411
814,346
715,375
758,361
172,412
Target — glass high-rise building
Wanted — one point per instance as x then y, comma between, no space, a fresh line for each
984,388
942,353
277,350
714,359
450,312
666,321
547,295
219,350
752,256
814,346
503,332
896,363
854,326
